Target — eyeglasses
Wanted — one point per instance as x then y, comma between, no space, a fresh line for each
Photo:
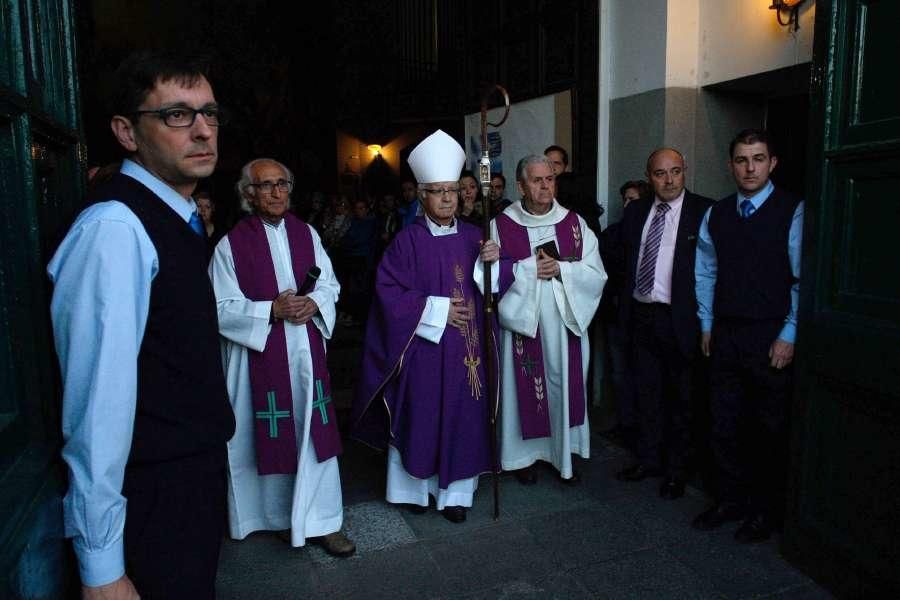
267,187
441,192
182,116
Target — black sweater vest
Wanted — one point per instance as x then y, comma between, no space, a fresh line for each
183,416
754,275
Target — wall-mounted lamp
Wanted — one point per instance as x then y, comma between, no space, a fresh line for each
791,7
375,148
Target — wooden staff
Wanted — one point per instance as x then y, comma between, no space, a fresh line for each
490,365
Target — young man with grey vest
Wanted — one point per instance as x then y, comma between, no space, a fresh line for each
747,272
145,410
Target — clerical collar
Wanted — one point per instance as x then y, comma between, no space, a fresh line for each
437,229
273,226
525,208
516,211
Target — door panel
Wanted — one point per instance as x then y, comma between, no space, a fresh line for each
41,177
843,508
848,506
871,102
867,216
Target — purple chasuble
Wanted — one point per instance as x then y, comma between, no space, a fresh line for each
531,383
427,400
270,381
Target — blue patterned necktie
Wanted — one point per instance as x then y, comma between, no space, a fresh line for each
747,208
197,225
647,270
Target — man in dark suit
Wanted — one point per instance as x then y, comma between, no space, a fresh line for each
658,307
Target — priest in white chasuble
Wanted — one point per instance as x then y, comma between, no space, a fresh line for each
549,282
275,294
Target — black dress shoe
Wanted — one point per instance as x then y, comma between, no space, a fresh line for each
575,479
717,515
526,476
671,488
455,514
753,530
637,472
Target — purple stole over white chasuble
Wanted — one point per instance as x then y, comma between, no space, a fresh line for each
270,381
531,383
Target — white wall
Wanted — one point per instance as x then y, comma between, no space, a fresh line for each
741,37
531,126
637,46
655,58
689,43
682,47
710,41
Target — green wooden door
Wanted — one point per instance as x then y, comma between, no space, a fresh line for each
41,182
844,522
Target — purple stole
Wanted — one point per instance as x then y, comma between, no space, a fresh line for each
270,381
531,386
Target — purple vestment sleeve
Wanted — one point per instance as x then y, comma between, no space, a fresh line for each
390,329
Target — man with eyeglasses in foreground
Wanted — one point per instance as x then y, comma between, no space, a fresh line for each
145,410
276,293
424,393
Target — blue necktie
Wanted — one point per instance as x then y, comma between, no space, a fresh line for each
197,225
747,208
647,269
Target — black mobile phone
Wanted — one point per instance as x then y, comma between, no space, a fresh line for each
549,249
310,282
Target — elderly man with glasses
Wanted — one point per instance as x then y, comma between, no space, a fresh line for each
424,390
275,294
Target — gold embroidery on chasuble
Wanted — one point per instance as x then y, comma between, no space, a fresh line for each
528,364
576,244
469,332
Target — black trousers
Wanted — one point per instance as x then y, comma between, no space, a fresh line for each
173,534
749,409
663,383
618,350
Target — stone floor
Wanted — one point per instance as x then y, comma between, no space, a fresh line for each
601,539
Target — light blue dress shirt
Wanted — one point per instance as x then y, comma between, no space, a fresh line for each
102,274
706,266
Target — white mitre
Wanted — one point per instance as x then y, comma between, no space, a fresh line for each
438,158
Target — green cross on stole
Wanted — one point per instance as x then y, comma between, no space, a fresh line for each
321,401
272,415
